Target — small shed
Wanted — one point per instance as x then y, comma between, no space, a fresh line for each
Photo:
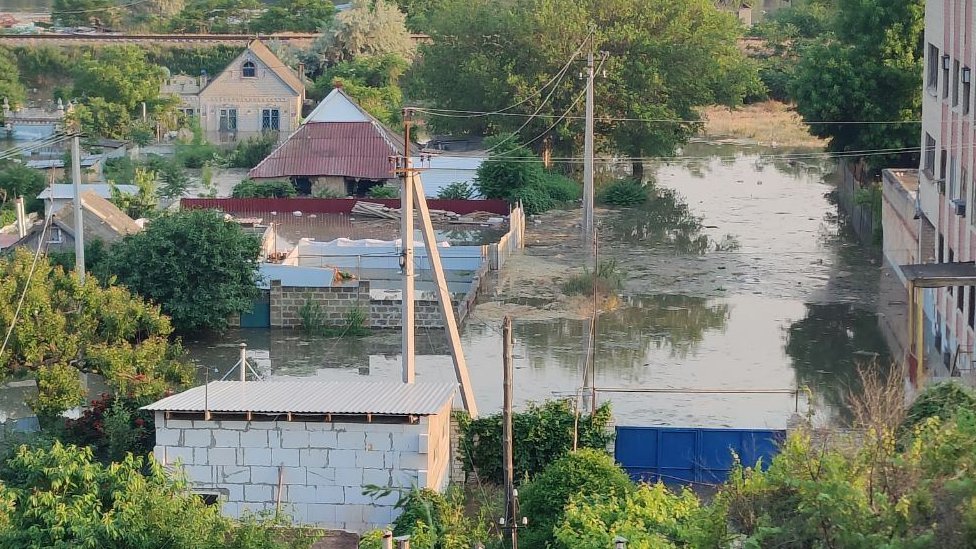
308,448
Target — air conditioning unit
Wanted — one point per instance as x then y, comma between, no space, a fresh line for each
959,207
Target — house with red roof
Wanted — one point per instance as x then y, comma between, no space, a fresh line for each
340,149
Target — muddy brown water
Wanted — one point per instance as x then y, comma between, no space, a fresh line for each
756,285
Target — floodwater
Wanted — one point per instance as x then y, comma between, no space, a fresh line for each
755,285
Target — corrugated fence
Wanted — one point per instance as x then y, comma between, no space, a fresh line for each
335,205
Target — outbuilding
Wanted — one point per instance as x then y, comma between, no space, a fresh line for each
311,449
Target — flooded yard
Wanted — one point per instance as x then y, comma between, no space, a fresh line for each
744,280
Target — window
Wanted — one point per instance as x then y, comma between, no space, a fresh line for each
270,120
953,183
967,76
945,76
188,112
56,236
961,298
929,154
933,67
955,83
972,307
943,156
941,248
248,69
228,120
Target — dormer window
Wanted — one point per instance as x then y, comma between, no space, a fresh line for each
248,69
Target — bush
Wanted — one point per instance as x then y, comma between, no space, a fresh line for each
383,191
439,521
545,433
195,156
534,199
263,189
507,171
560,188
253,150
545,497
942,400
112,426
608,278
459,190
624,192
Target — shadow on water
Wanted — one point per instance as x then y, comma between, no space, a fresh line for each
828,346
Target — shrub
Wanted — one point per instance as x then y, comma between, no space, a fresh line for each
942,400
545,497
560,188
326,192
608,278
507,171
624,192
439,521
459,190
191,155
383,191
263,189
253,150
112,426
534,199
545,432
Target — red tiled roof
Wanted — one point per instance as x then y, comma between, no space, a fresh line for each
347,149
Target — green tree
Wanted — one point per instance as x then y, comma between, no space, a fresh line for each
142,204
119,74
74,13
216,16
263,189
372,81
295,16
546,496
61,497
867,69
16,180
99,117
11,87
368,28
666,59
199,267
70,327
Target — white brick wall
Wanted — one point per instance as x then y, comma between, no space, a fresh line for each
323,466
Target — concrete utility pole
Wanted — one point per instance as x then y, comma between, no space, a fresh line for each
444,302
408,351
79,223
511,511
588,158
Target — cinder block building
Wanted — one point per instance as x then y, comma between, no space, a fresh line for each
308,448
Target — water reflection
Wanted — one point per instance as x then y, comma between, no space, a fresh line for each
665,221
829,344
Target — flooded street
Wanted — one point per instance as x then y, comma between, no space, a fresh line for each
754,285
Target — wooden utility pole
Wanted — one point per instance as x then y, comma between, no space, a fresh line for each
407,257
79,223
511,510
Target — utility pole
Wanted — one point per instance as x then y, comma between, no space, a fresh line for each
79,224
407,257
444,302
588,158
511,510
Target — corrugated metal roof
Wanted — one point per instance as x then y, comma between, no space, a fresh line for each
312,397
347,149
67,190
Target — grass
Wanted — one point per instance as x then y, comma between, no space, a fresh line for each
607,279
314,321
768,123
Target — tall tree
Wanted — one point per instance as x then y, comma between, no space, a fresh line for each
11,87
295,16
65,327
867,69
368,28
665,60
200,268
120,75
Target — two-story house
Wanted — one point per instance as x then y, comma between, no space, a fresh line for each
256,93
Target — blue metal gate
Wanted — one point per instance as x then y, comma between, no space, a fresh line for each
677,455
260,314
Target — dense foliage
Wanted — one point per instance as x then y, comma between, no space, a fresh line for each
61,497
514,173
263,189
439,521
18,180
11,87
112,426
459,190
665,60
867,69
251,151
71,327
942,400
624,192
544,431
197,266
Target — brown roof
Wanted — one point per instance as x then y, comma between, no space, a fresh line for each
276,65
108,213
347,149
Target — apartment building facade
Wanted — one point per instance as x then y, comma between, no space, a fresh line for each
947,220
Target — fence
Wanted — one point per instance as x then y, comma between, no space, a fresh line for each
862,217
513,240
334,205
675,455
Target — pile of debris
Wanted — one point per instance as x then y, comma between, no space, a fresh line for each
372,209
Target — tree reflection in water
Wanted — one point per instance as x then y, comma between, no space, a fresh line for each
828,346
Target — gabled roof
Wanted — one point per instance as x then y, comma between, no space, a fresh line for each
259,51
108,213
312,397
339,107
